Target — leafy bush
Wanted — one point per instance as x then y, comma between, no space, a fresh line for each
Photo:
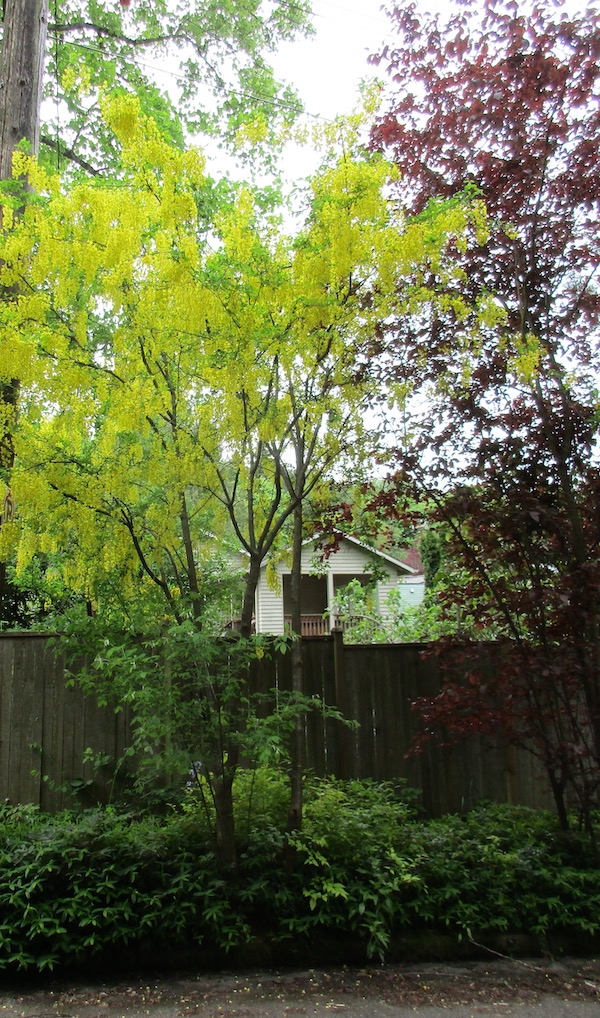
260,800
369,867
504,868
75,886
353,878
104,883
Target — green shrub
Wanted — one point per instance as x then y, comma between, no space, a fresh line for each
106,882
502,868
72,887
352,878
369,868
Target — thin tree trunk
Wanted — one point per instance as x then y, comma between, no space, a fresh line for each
222,788
252,577
558,792
297,746
190,561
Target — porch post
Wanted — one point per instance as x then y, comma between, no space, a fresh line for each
330,598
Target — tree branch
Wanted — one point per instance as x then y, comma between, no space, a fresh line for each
69,153
107,33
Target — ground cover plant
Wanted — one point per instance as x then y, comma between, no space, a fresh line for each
112,884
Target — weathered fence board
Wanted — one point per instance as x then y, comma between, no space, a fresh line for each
46,727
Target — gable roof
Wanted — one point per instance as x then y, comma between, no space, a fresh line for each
411,566
377,553
398,564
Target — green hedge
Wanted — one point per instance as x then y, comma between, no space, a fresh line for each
105,883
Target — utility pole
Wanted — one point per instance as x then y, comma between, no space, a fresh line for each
21,76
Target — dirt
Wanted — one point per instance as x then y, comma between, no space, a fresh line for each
367,990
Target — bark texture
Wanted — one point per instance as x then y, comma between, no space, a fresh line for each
21,75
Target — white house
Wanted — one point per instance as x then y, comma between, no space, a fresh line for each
323,579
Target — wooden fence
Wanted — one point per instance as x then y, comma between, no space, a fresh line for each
46,728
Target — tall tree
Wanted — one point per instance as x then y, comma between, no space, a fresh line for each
186,365
506,103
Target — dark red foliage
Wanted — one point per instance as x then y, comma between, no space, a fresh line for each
508,102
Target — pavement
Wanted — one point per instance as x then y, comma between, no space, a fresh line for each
569,988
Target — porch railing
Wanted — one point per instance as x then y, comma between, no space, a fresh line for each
316,625
312,625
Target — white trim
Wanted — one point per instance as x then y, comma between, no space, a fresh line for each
372,551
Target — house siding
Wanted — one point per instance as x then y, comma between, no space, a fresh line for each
269,608
384,588
348,559
412,590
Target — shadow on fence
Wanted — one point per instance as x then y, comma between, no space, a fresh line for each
47,728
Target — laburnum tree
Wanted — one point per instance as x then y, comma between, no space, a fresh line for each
504,101
188,371
219,79
173,338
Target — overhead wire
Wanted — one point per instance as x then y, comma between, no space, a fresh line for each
240,93
179,75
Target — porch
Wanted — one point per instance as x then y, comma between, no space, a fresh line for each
314,625
317,596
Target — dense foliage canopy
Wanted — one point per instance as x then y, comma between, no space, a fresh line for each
171,340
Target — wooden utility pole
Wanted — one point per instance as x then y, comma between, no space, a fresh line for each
21,76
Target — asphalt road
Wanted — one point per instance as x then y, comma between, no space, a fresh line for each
528,989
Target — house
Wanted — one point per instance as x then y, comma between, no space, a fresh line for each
322,579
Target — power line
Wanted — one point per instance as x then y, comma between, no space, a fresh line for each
180,76
228,90
240,93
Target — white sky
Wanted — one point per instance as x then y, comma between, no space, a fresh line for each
327,67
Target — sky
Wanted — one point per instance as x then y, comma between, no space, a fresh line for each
327,67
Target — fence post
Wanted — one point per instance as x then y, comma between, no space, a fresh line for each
339,678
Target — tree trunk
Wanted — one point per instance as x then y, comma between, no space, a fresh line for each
297,746
190,562
558,792
252,577
21,73
222,789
